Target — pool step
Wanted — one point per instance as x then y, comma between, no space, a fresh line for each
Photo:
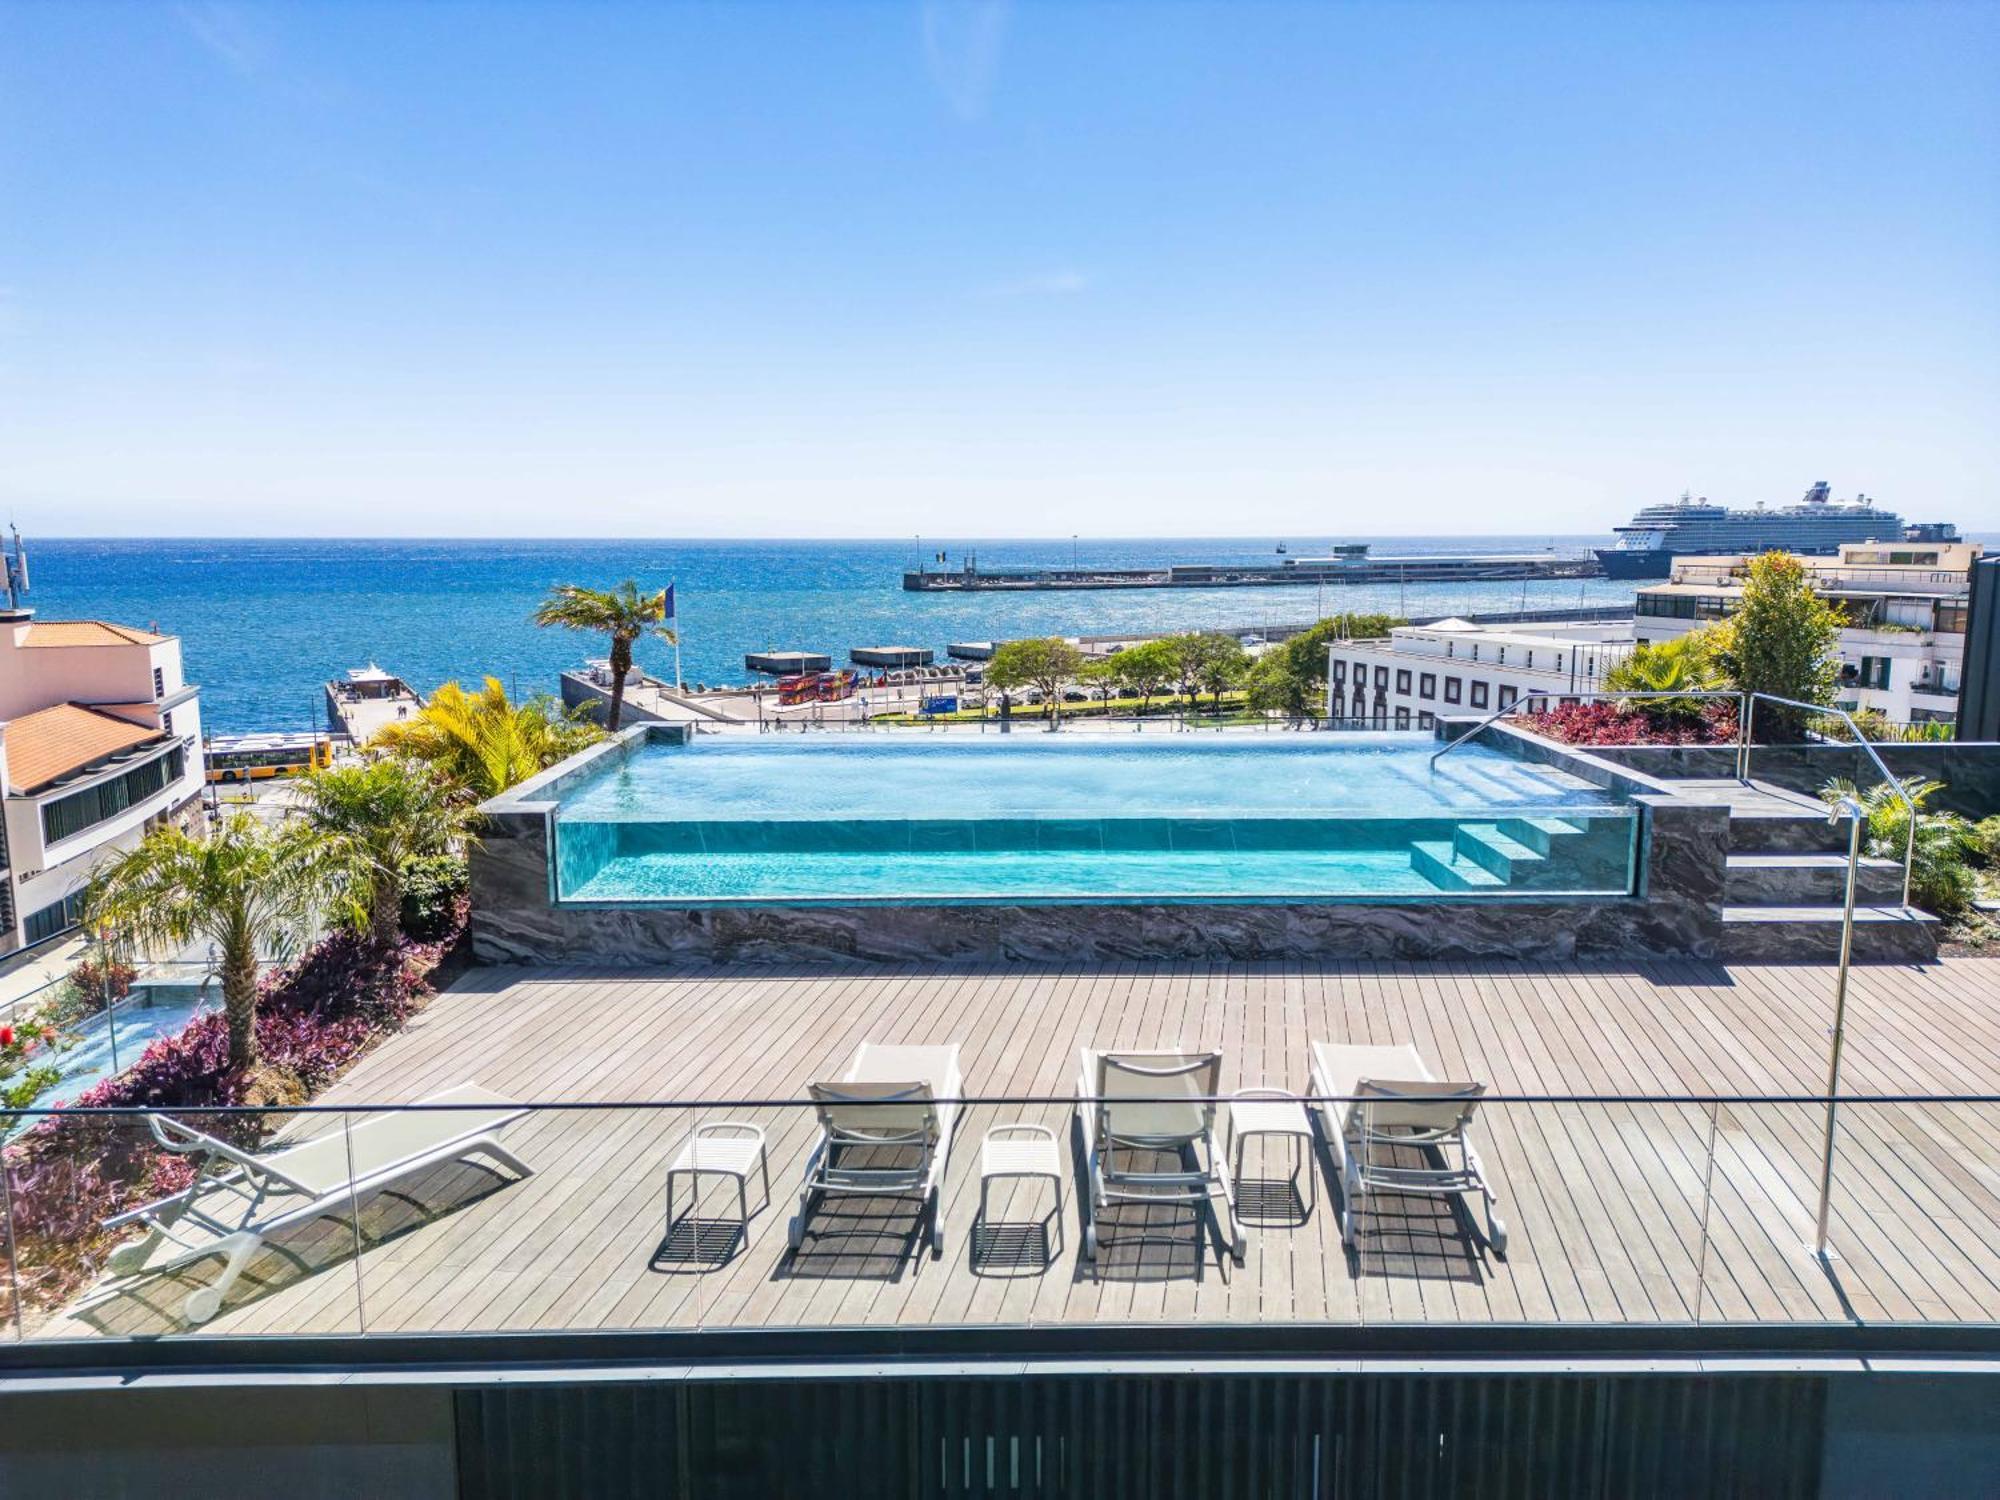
1540,834
1437,860
1485,845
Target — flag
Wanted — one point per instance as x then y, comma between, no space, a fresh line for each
667,602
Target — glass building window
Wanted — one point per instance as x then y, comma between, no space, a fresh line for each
66,817
1453,690
1427,685
1479,695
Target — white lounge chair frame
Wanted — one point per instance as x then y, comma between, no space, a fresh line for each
239,1198
891,1097
1111,1125
1391,1102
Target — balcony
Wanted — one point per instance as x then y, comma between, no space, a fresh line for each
1652,1132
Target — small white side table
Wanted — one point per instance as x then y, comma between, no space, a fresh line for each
1267,1111
723,1148
1021,1151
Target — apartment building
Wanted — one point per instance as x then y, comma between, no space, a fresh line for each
1904,606
100,739
1454,668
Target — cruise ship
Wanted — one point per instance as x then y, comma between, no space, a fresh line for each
1816,525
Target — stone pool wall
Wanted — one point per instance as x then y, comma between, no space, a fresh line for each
515,918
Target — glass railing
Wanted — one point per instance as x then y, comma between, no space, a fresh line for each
1531,851
87,1030
491,1217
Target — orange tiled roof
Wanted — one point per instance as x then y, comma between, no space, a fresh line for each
52,742
86,633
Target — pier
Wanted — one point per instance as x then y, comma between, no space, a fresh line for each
1348,565
891,657
787,663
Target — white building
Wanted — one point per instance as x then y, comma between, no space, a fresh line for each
1454,668
1904,604
100,739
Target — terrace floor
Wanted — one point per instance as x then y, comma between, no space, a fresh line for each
1603,1202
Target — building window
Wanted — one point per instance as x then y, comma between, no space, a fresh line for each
1402,717
1503,656
1402,682
159,684
1479,695
1475,651
166,723
1381,679
1666,606
1453,689
1873,672
1425,719
1427,685
51,920
68,816
1507,696
1340,671
1450,649
1951,618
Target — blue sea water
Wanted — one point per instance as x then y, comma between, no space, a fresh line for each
263,623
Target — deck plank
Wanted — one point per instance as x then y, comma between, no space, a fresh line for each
1603,1202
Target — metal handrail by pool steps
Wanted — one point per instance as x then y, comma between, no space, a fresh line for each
1745,716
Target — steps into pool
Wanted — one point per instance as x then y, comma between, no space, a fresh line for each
1510,853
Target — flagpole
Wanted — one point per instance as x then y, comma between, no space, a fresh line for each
677,641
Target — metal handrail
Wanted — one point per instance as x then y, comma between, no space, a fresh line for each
1745,744
1746,714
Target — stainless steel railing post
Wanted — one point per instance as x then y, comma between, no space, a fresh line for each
1853,810
1707,1197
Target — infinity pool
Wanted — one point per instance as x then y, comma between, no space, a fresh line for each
1034,817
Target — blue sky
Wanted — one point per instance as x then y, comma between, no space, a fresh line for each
878,269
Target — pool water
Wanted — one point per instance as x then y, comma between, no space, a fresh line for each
1035,817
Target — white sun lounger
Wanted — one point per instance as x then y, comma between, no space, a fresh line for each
895,1110
1109,1083
239,1198
1395,1104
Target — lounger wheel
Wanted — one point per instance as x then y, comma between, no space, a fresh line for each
203,1305
1240,1250
1090,1241
795,1231
1496,1236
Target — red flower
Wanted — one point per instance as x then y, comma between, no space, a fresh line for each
6,1036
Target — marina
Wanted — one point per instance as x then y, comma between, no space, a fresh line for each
1348,564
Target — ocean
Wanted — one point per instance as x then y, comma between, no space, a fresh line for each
264,623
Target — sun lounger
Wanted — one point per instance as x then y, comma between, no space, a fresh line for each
1116,1123
239,1198
1393,1106
884,1132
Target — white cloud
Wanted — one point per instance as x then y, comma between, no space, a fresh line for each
962,40
1064,281
225,33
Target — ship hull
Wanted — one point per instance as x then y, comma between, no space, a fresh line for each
1635,562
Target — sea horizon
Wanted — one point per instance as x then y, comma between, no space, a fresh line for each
265,622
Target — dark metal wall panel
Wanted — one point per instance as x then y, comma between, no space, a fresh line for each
1979,690
1125,1437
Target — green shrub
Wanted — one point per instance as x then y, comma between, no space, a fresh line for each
432,887
1941,878
1986,841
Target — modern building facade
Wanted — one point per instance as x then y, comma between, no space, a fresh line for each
100,739
1904,606
1454,668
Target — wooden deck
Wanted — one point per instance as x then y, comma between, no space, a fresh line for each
1604,1202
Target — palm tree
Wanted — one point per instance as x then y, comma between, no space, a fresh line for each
622,613
376,817
482,744
246,888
